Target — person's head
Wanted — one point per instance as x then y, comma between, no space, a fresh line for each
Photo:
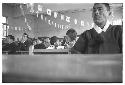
10,38
100,13
53,40
25,36
47,40
72,34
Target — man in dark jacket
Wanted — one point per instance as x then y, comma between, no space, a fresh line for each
103,38
25,43
11,46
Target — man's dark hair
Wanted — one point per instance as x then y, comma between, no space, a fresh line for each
70,31
26,34
107,5
11,37
53,40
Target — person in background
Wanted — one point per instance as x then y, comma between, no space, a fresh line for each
103,38
47,42
55,42
70,38
11,46
25,42
39,44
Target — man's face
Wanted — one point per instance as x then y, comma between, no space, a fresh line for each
100,14
25,37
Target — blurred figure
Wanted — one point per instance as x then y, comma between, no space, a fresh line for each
39,44
71,38
47,42
25,42
55,42
11,47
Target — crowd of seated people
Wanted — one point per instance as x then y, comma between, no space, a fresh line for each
10,45
26,43
101,39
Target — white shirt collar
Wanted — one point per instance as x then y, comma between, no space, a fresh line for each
99,30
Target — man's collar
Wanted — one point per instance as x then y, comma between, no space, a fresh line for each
99,30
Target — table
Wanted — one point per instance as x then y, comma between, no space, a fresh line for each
62,68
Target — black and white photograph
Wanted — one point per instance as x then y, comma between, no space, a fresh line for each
62,42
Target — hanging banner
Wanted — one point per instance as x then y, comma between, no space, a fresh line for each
40,8
49,22
15,28
62,17
55,24
75,21
49,12
55,14
62,27
82,23
37,14
67,19
41,16
45,18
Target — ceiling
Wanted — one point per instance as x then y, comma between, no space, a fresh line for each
66,7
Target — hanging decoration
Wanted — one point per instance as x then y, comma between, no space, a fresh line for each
55,14
45,18
49,22
67,19
55,24
41,16
75,21
82,23
62,27
15,28
31,7
49,12
40,8
62,17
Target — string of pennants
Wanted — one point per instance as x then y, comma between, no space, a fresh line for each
50,22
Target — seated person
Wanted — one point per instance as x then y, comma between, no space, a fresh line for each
25,43
39,45
71,38
47,42
11,46
55,42
103,37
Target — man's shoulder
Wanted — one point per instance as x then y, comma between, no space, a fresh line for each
87,32
116,27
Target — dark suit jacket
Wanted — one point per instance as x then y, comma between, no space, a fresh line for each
40,46
11,48
25,46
